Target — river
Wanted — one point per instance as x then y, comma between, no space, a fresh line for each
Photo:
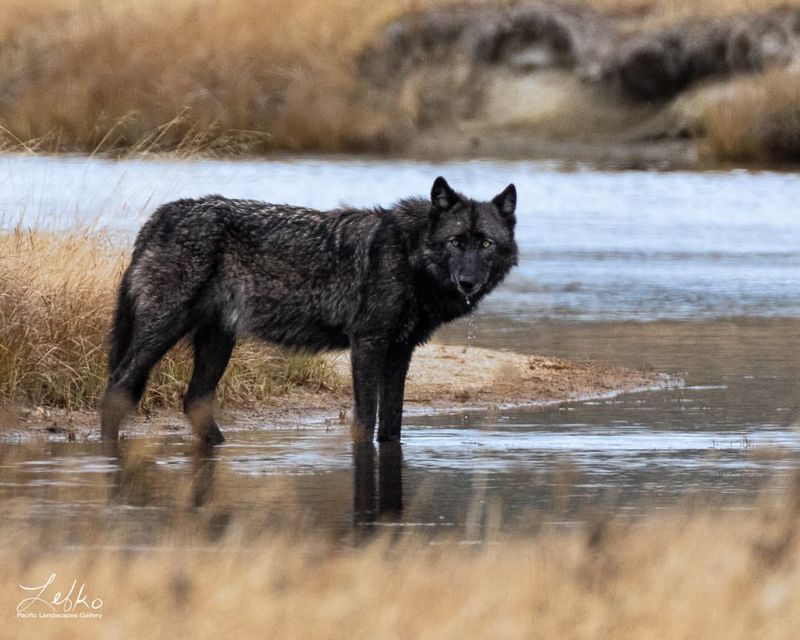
695,274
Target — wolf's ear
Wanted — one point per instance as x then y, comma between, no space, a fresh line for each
442,196
506,201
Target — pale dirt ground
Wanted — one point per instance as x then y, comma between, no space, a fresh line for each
442,377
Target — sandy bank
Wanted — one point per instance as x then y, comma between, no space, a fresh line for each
441,378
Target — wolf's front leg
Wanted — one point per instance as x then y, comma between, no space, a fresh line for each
392,390
367,357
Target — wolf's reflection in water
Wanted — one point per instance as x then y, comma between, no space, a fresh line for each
134,479
137,480
204,464
384,506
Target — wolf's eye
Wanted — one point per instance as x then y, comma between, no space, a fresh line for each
456,243
486,244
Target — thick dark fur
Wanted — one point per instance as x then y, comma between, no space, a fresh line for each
378,281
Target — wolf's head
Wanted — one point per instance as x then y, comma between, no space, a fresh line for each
471,244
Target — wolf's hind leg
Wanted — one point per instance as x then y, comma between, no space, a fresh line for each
212,350
121,328
127,383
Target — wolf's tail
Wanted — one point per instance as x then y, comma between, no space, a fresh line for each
122,327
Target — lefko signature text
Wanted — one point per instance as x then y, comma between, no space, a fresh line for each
48,601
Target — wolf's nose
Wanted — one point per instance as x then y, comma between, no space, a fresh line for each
466,285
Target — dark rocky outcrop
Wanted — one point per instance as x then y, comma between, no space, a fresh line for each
658,65
439,63
523,38
450,52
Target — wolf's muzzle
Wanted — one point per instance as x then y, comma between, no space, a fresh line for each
468,284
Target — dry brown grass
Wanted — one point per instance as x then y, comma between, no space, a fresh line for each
215,75
56,298
756,119
710,575
220,77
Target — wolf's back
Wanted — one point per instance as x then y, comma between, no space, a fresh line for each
180,224
176,251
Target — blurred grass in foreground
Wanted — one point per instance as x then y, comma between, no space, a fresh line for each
710,575
57,292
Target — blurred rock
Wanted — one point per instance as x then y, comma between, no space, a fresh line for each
526,38
569,71
657,66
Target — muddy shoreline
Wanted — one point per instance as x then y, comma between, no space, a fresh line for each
442,379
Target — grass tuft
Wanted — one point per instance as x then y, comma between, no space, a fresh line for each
756,120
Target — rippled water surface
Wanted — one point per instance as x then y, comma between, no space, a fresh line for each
694,274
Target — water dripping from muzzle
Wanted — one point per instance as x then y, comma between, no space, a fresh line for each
470,343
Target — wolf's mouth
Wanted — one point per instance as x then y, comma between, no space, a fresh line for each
466,286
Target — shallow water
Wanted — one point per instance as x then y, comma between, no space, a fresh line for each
695,274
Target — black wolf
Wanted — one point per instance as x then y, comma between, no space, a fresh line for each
379,281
